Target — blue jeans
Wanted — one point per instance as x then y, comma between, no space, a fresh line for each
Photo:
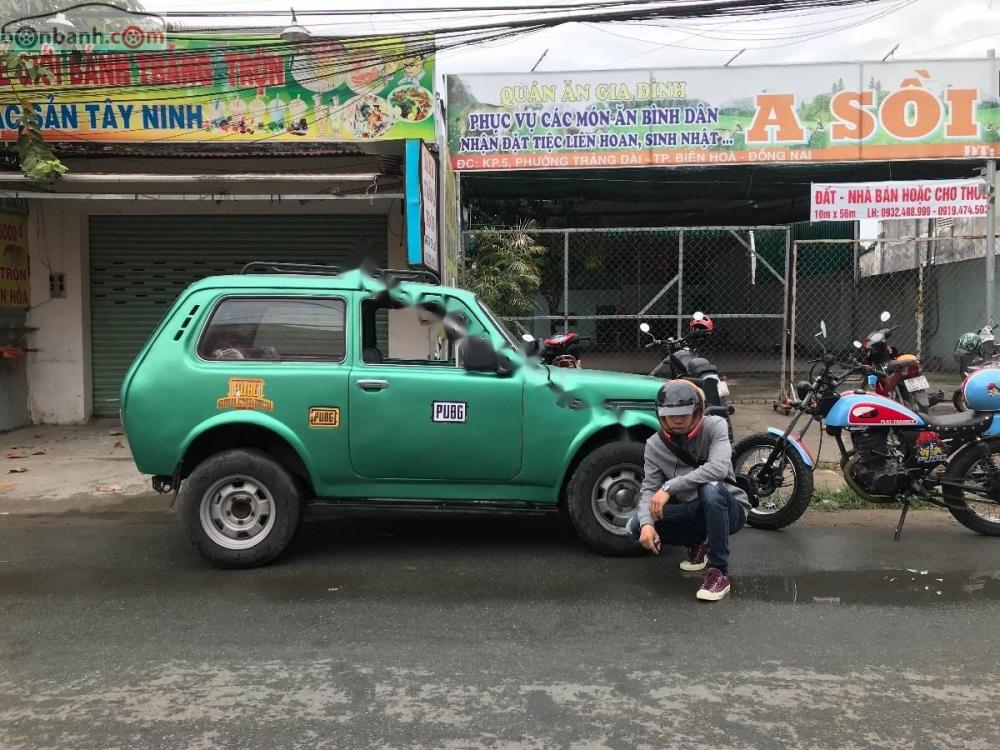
716,514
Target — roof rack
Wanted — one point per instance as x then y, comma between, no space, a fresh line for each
318,269
410,274
268,266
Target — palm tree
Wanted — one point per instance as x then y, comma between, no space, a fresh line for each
504,270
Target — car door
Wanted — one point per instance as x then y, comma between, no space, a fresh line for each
427,418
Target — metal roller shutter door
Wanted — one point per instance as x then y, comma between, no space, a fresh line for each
139,264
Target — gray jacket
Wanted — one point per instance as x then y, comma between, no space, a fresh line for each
664,470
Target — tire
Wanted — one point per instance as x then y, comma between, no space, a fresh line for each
971,517
240,508
921,403
748,455
958,400
596,509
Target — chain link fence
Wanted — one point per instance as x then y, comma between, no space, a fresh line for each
931,292
766,293
602,283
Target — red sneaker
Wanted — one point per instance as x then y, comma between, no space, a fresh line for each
697,557
714,586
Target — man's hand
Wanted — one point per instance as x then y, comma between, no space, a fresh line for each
656,503
649,539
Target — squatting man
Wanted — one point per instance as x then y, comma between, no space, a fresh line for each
689,494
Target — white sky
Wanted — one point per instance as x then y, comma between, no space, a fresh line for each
921,28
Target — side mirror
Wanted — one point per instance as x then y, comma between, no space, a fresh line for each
480,356
644,327
884,317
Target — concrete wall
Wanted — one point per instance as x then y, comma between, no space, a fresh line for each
58,374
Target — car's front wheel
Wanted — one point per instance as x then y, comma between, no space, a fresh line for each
603,493
240,508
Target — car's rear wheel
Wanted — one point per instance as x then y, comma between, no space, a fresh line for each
240,508
603,493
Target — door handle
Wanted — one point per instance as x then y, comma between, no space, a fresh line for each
373,385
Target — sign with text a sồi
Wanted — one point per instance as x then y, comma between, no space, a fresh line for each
908,199
15,272
766,114
254,89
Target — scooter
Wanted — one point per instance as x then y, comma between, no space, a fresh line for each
974,351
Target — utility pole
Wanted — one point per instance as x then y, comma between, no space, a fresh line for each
991,234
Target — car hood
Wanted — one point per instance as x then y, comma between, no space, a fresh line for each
607,385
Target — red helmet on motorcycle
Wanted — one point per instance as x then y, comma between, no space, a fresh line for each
701,323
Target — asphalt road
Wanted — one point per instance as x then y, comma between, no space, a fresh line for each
454,632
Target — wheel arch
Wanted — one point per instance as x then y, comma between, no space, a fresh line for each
638,432
234,433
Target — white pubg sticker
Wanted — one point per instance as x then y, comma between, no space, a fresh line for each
448,411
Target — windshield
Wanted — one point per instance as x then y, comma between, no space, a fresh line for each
504,331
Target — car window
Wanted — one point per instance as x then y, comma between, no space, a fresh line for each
404,336
276,329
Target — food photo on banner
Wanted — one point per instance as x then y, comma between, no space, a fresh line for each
205,88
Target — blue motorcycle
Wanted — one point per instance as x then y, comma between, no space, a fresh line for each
896,455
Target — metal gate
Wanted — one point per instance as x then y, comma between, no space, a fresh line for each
139,265
604,282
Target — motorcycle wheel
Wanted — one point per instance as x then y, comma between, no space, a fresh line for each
958,400
782,498
975,511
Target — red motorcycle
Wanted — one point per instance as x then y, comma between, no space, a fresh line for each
563,350
897,376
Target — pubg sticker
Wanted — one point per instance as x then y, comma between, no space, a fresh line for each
324,416
246,393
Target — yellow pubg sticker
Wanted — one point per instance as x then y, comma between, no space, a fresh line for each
246,393
324,416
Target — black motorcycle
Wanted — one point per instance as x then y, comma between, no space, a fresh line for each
681,360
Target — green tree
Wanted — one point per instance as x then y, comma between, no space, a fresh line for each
35,155
504,269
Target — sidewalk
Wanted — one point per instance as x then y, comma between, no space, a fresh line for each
87,468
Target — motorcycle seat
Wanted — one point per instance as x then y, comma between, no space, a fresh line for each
966,420
897,365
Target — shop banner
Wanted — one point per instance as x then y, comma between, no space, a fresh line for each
429,209
14,275
250,89
793,113
905,199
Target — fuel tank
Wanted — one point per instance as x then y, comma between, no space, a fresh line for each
870,410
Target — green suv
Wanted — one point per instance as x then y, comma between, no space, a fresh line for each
260,392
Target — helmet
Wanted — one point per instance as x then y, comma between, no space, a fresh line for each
701,323
968,343
679,397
